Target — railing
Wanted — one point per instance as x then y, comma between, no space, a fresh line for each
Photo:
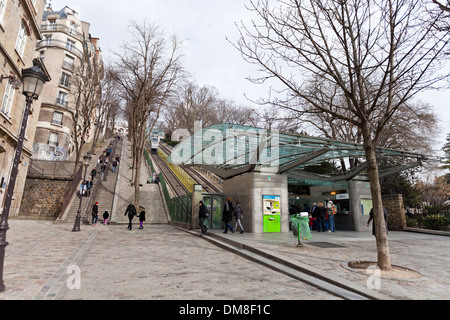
60,44
62,27
51,169
57,122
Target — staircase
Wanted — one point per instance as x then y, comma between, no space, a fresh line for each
102,191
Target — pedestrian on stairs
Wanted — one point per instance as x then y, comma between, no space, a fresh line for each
131,211
95,214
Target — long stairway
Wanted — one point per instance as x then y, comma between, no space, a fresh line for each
102,191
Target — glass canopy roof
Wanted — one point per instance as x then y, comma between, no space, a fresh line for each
229,150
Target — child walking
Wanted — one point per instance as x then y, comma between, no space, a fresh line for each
105,217
141,218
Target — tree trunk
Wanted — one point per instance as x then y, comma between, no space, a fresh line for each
137,176
384,260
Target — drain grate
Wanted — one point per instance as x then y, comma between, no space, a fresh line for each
326,245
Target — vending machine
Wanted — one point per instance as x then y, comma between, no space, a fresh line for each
272,213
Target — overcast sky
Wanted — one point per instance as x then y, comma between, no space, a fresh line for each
204,26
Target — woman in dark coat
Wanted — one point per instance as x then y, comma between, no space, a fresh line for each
228,210
373,224
321,214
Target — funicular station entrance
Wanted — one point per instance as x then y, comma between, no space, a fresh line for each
259,167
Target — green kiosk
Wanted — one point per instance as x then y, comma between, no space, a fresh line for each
272,213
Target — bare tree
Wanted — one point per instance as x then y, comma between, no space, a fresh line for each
146,71
358,61
85,91
192,103
108,106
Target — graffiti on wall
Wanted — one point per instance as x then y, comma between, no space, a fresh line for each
51,153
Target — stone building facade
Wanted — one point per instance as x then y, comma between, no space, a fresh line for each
19,32
65,45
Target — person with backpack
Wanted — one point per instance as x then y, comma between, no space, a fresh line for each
202,215
131,212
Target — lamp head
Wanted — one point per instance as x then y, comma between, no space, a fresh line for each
33,80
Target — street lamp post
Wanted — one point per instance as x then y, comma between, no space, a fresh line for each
33,83
86,160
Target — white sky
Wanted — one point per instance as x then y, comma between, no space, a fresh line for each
209,57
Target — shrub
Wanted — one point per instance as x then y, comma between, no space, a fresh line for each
434,222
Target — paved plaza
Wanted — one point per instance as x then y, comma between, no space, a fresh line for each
47,261
163,262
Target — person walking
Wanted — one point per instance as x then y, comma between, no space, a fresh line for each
105,217
228,215
131,212
202,215
103,169
89,185
371,217
238,215
94,214
141,218
114,166
321,214
93,174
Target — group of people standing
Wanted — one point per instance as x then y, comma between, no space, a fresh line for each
230,210
321,215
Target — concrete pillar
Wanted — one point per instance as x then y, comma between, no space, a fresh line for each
249,190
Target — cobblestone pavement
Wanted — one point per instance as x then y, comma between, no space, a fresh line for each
159,262
427,254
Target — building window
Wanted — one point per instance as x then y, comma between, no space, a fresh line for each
42,55
68,63
62,99
8,98
48,40
52,24
2,8
53,141
73,28
65,80
57,118
70,45
21,39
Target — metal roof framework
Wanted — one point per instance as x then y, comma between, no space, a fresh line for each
230,150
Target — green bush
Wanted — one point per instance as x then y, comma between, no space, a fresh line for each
434,222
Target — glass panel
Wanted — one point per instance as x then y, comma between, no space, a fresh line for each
217,212
207,203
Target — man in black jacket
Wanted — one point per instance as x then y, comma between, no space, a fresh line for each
202,215
228,210
131,211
